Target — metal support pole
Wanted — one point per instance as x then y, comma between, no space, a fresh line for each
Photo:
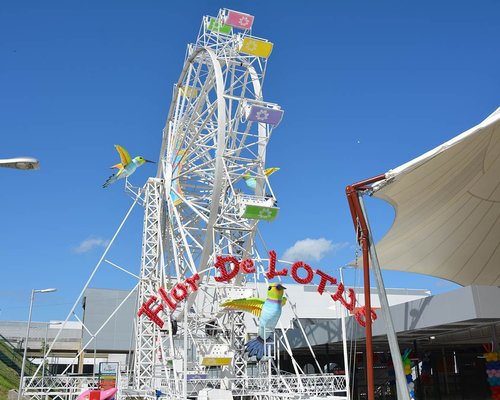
494,338
185,354
445,371
391,334
363,239
418,384
33,291
95,355
44,348
344,345
25,346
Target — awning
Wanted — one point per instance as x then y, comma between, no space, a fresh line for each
447,205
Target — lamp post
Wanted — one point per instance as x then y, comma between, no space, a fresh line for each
20,163
33,291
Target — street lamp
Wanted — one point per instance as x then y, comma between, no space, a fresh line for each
20,163
33,291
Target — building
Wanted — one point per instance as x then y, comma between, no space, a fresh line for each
448,330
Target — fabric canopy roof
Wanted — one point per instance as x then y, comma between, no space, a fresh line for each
447,205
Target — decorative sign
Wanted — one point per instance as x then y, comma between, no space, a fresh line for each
189,91
178,293
266,115
108,373
229,267
256,47
216,361
239,19
215,25
260,212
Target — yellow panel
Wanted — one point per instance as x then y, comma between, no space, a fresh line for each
256,47
189,91
216,361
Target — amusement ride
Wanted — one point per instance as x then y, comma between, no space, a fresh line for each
202,258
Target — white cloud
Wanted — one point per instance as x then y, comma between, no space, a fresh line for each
311,249
89,244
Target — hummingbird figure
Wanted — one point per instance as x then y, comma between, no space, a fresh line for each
127,166
251,181
268,311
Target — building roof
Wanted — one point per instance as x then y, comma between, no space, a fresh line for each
447,204
69,339
462,316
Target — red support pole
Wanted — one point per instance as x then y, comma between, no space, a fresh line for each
361,228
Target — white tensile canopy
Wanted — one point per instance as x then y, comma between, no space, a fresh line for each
447,205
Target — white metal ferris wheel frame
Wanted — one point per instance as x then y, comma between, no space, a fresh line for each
182,239
145,349
223,233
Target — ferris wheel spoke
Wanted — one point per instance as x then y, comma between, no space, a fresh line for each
174,254
187,248
194,138
195,189
201,155
192,206
205,86
193,114
193,169
201,208
198,110
243,136
196,242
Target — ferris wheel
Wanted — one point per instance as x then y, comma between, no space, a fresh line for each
200,207
211,190
216,133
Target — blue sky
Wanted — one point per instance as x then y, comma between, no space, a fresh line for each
365,86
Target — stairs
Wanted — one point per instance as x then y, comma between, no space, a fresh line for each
13,358
8,362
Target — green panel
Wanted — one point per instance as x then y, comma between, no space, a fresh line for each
263,213
215,25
